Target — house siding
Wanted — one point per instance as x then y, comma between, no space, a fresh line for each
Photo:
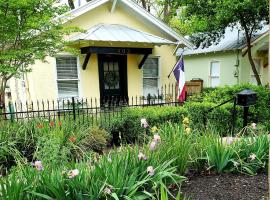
198,66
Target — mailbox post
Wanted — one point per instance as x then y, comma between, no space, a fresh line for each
246,98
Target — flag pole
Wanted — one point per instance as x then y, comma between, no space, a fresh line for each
181,56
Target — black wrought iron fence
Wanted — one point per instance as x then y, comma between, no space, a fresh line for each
91,110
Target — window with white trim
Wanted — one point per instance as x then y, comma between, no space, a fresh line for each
258,65
214,73
151,76
67,76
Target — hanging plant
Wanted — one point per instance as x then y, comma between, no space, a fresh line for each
111,79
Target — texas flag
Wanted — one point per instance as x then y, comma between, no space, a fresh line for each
179,74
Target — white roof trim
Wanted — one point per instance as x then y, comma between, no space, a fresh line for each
138,9
244,48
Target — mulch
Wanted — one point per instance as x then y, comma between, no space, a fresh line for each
226,187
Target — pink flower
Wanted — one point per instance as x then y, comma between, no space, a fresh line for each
156,138
144,123
253,125
73,173
150,170
38,165
153,145
228,140
141,156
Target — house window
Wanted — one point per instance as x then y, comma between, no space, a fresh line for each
151,76
258,65
67,77
214,73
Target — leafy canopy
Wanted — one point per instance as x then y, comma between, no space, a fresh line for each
29,30
209,18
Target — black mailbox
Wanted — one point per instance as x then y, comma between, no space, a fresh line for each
246,98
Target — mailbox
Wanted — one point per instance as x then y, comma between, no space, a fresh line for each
246,98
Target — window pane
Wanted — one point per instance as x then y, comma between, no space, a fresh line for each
214,71
67,89
150,86
214,82
66,68
150,67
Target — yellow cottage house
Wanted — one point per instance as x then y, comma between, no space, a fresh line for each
125,51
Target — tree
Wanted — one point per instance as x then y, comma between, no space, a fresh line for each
71,4
209,19
29,31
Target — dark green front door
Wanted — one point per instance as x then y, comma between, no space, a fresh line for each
112,77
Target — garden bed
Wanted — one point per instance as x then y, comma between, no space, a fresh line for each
226,187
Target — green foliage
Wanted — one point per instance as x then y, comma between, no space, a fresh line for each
257,113
129,125
30,30
96,140
247,147
165,196
219,154
209,19
175,145
123,176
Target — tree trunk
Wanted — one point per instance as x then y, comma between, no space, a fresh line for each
166,12
251,61
71,4
2,95
144,4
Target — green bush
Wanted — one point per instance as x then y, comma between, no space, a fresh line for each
95,140
129,129
129,125
220,117
258,113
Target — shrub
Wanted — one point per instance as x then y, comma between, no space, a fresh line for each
129,125
129,128
96,140
258,113
220,117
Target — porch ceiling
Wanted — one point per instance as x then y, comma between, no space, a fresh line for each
112,33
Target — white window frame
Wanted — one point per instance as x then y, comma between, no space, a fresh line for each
78,72
159,72
259,73
210,69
